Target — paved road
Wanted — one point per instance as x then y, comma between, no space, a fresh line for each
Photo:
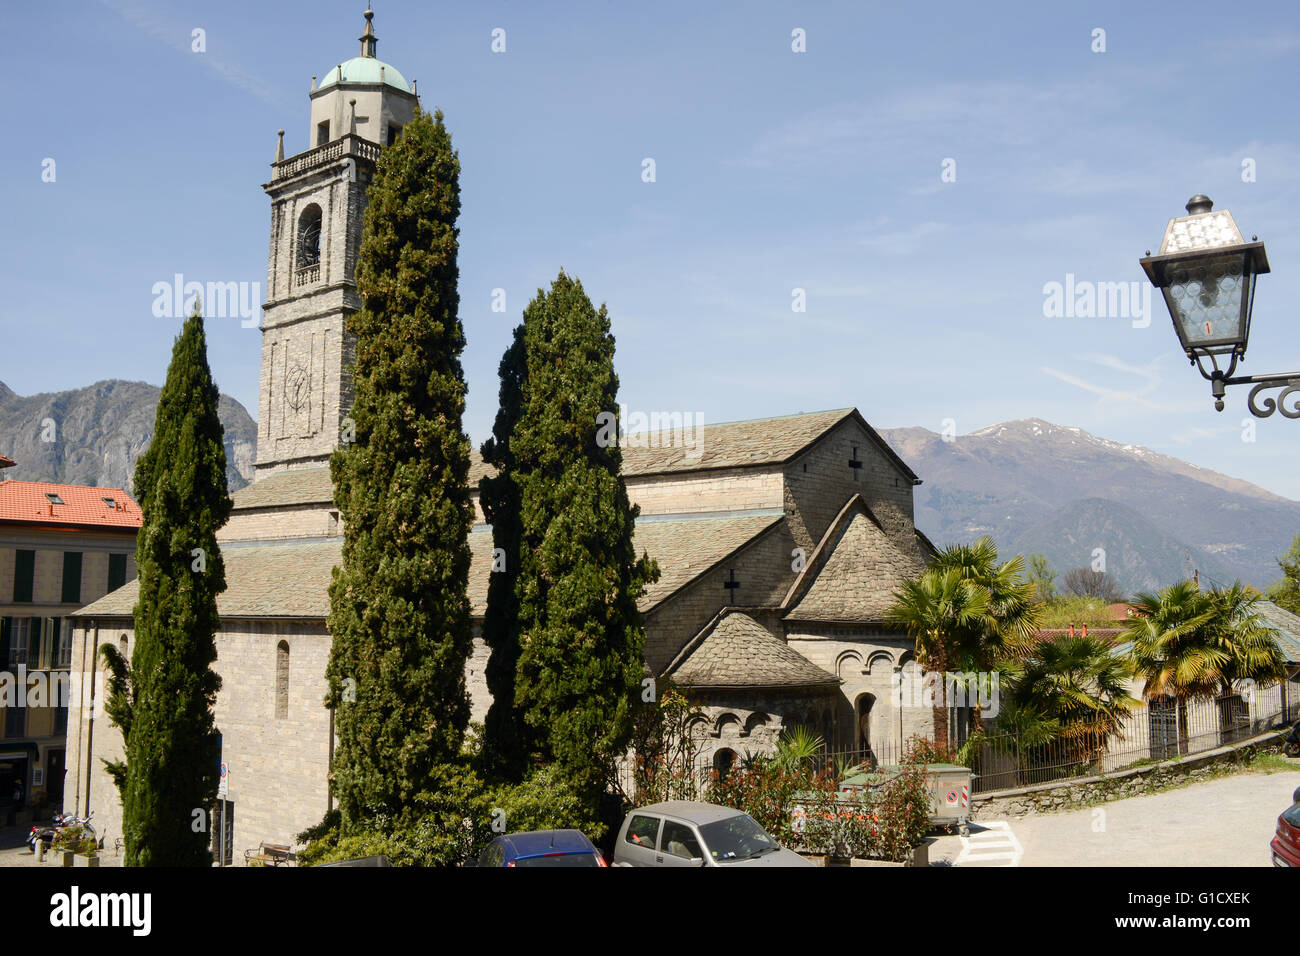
1223,822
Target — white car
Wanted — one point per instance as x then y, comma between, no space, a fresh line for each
685,833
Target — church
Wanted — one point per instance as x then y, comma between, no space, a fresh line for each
780,541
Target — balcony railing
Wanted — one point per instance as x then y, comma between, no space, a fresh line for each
331,152
306,275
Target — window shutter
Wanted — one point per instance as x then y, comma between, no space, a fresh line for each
116,571
24,570
71,577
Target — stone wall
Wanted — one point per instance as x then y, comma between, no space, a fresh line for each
818,483
763,569
865,659
1135,781
268,524
737,489
278,764
304,334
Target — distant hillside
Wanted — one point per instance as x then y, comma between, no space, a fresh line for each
99,432
1038,487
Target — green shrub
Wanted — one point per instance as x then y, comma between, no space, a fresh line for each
1066,610
544,801
454,821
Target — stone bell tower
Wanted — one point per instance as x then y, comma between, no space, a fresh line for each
318,200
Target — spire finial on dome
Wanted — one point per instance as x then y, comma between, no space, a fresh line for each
368,40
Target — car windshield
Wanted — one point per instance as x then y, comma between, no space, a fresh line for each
737,838
1292,816
561,859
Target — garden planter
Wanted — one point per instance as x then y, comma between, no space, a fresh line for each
92,861
68,857
920,857
863,861
816,859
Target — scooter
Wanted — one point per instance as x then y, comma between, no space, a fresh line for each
46,834
1291,746
62,821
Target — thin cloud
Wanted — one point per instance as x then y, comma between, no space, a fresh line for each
179,39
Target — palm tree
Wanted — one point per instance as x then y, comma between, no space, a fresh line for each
1079,683
1170,652
1006,631
1194,645
937,610
1253,653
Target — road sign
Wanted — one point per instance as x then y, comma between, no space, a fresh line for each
223,785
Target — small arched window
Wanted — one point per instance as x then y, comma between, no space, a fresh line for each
308,253
723,761
282,680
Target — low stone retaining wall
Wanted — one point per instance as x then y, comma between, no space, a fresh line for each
1129,782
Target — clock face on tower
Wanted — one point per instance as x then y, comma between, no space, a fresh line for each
295,388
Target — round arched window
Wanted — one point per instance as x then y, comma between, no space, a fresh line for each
309,237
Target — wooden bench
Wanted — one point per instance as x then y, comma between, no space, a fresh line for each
270,854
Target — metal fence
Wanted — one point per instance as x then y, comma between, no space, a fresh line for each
1155,731
1158,730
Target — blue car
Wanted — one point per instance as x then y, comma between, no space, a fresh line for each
542,848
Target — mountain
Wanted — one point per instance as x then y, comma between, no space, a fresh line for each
1038,487
93,435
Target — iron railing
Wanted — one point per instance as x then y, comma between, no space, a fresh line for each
1152,732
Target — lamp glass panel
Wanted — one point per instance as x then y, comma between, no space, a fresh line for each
1205,296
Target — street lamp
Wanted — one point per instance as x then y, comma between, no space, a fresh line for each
1207,273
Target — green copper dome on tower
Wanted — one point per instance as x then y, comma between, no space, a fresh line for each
366,68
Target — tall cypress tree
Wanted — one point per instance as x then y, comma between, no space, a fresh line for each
507,740
399,605
581,642
163,701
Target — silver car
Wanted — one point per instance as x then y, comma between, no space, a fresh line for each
685,833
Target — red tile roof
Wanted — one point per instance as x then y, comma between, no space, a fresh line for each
7,462
83,505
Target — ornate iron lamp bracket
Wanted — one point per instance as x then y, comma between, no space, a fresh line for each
1220,379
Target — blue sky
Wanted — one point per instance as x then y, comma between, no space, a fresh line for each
775,171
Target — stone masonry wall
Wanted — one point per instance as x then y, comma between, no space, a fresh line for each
818,484
865,660
730,490
278,765
1071,794
764,571
304,333
307,521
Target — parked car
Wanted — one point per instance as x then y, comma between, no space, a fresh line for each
1286,843
685,833
568,848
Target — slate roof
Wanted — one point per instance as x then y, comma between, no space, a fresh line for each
292,579
1287,626
304,487
275,580
853,574
737,651
26,502
309,486
759,441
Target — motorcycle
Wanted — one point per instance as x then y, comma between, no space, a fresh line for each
61,822
1291,746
